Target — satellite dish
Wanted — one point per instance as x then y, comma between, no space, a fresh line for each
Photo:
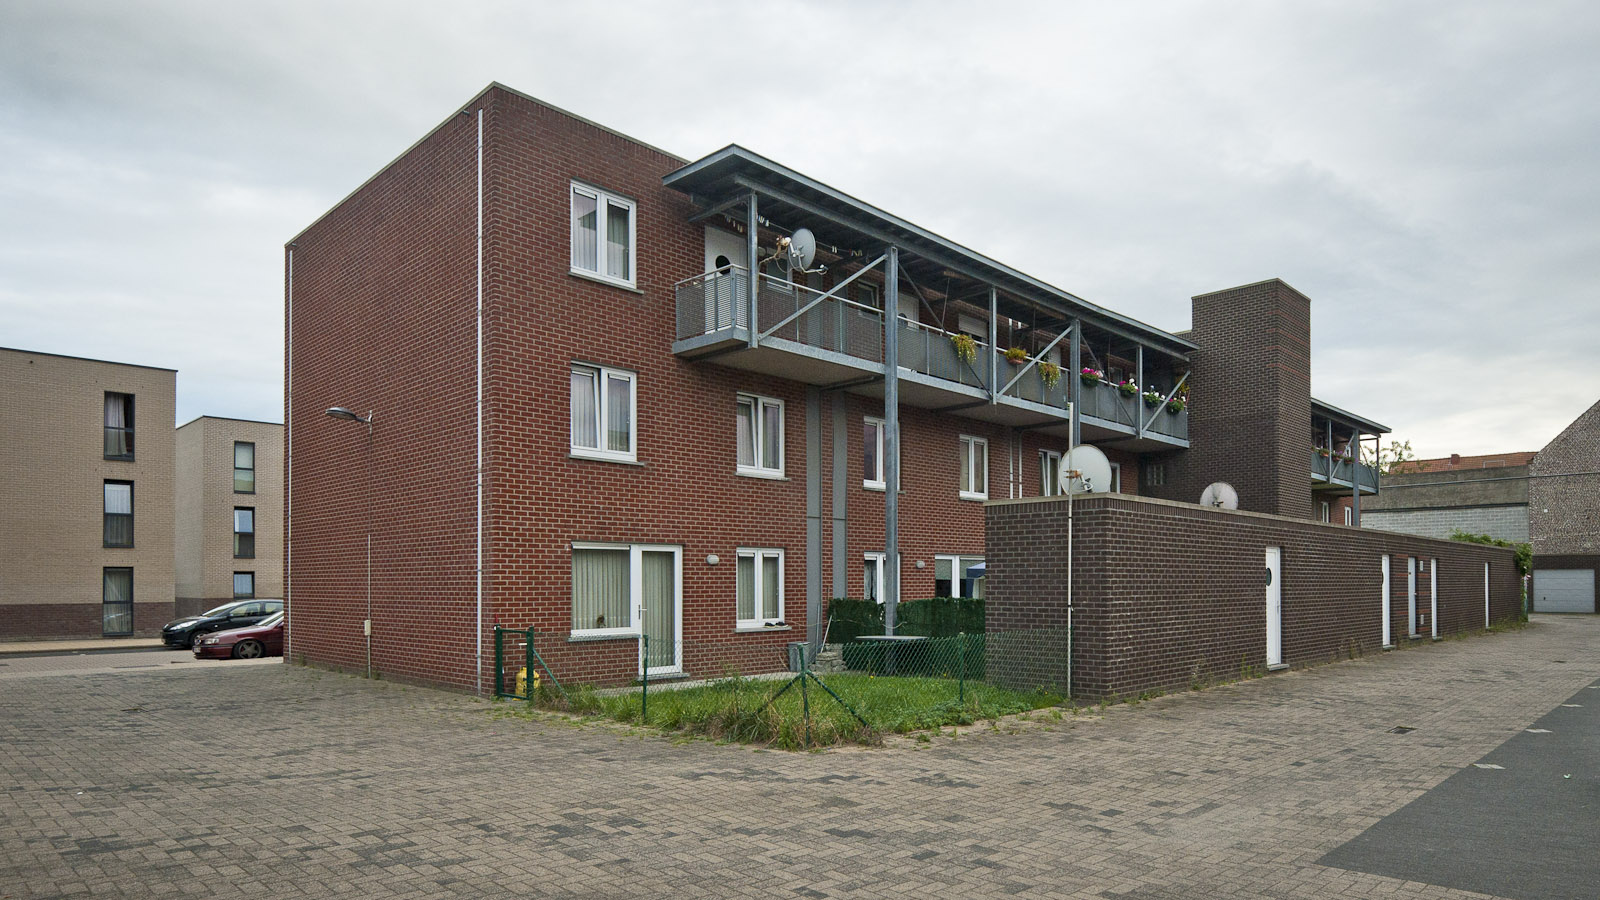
802,249
1221,495
1093,471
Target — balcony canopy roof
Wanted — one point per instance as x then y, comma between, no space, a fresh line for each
1345,420
840,220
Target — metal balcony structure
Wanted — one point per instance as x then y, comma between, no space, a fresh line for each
1337,440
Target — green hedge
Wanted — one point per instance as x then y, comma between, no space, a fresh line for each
934,617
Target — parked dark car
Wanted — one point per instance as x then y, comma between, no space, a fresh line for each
237,614
265,638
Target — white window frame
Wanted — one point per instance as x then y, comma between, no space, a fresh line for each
602,375
1049,487
880,558
1325,512
969,461
1116,478
602,198
636,552
1155,474
758,404
875,484
760,621
957,570
1349,516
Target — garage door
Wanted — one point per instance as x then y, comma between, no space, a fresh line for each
1563,590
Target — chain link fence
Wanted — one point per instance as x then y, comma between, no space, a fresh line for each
855,691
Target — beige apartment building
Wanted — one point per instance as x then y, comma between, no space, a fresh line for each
86,496
229,512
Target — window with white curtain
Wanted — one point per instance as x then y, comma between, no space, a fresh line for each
623,590
760,587
760,431
116,601
119,514
603,421
872,453
602,235
1049,473
244,532
119,426
244,585
872,575
952,576
974,468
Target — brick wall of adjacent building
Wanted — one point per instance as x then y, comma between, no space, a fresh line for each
52,475
1166,595
1564,491
1250,400
1506,523
206,500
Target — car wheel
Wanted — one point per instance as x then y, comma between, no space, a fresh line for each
247,650
194,638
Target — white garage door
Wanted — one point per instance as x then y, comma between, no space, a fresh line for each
1563,590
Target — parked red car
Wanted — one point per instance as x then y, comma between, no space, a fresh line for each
265,638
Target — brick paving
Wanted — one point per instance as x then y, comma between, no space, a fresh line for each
273,781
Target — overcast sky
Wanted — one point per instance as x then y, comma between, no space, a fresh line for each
1426,172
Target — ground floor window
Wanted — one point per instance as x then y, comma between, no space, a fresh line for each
116,601
760,589
628,590
953,576
244,585
872,576
1050,473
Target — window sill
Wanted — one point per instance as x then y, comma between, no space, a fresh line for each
574,637
601,279
978,497
605,459
872,486
759,629
763,475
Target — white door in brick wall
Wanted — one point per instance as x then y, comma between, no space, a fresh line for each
1486,595
1388,626
1274,606
659,587
1433,596
725,252
1563,591
1411,596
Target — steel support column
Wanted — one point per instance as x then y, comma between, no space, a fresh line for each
1074,383
1354,452
891,440
751,253
994,345
1138,378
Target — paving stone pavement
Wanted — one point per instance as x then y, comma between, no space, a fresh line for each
276,781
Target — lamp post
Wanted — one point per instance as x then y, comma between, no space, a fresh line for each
348,415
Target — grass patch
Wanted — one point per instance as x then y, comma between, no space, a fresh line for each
742,709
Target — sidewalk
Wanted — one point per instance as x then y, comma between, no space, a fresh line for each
79,645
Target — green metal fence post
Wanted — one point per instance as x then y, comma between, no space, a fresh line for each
961,664
644,668
805,707
527,665
499,670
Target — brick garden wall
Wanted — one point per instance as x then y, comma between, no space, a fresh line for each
1168,594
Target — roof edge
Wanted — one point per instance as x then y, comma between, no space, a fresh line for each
105,362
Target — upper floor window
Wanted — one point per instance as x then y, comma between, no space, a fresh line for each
760,427
872,453
119,514
1349,518
119,426
1323,512
244,467
602,235
760,588
974,468
1049,473
1155,474
603,422
244,532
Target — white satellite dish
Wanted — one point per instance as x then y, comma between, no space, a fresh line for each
802,249
1221,495
1093,471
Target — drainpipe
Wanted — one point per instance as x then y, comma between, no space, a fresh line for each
479,471
288,453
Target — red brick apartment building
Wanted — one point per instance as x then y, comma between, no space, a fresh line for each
568,405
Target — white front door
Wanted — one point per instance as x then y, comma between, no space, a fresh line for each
1274,606
725,255
1433,596
660,592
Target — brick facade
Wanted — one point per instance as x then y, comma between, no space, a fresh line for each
1564,500
205,504
1250,400
52,505
1166,595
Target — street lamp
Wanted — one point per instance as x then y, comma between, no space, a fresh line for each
349,415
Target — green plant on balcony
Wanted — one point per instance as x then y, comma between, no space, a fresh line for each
1049,373
966,348
1127,387
1176,405
1322,452
1152,398
1091,376
1016,356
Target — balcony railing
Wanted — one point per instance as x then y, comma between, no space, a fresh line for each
1104,401
1333,469
718,302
